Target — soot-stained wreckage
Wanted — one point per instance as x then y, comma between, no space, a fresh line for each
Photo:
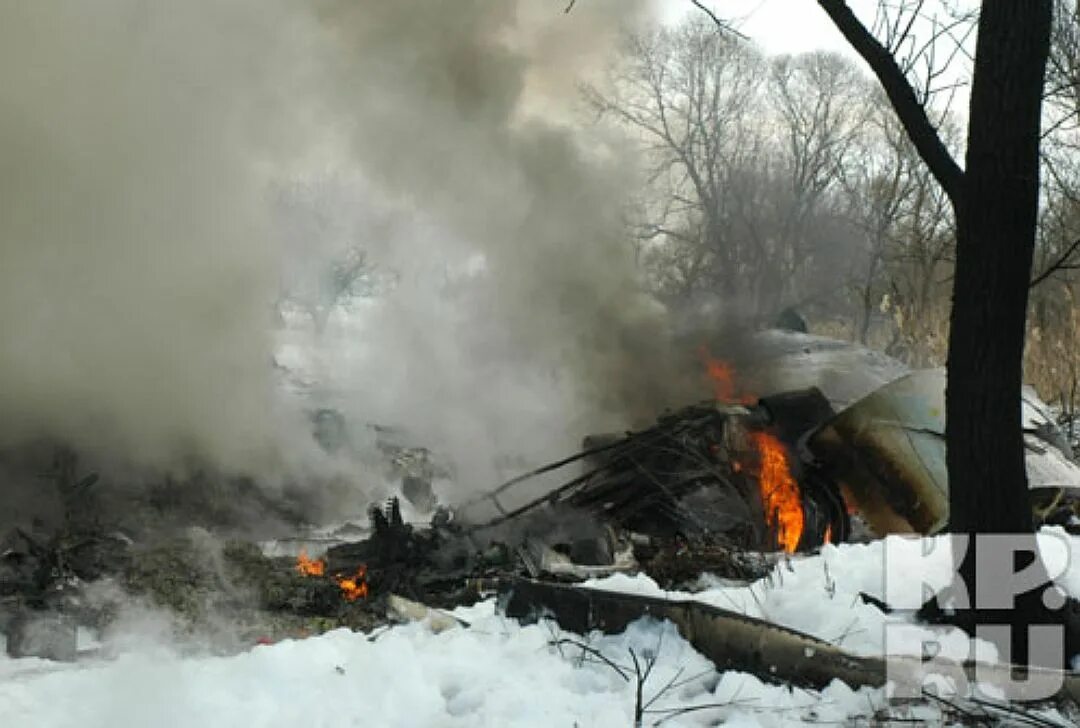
858,449
815,441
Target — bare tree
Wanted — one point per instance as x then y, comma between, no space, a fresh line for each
1060,251
820,114
995,199
326,261
1062,92
877,187
745,157
346,276
1052,359
908,231
689,94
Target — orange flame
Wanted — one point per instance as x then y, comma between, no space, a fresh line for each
828,534
309,567
353,587
722,376
779,492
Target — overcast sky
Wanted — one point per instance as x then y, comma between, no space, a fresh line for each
790,26
780,26
796,26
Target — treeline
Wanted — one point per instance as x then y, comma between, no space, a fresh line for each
777,181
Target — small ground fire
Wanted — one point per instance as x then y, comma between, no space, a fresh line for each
309,567
352,586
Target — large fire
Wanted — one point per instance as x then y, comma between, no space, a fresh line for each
352,586
779,492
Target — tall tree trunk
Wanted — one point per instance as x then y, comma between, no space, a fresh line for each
996,221
996,205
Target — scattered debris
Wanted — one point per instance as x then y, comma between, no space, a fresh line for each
731,640
707,470
785,471
730,487
716,487
406,610
772,653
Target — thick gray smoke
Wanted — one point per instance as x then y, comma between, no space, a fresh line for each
140,267
541,334
136,271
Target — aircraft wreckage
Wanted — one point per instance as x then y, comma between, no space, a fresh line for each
846,441
814,441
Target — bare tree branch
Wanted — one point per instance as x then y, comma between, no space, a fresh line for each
912,114
620,670
1062,263
720,24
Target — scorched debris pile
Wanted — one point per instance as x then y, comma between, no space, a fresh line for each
725,486
710,470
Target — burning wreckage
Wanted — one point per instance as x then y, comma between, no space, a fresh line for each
836,459
850,445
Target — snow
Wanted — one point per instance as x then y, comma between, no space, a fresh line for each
820,595
499,673
496,673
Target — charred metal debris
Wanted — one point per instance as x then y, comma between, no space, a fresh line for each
719,487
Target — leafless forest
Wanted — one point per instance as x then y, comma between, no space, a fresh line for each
787,181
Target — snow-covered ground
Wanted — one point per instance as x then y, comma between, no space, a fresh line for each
496,673
821,595
499,673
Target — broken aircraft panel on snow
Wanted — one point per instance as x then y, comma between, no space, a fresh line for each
887,453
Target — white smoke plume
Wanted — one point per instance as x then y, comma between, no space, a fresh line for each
140,258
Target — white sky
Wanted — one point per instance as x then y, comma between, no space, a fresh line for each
797,26
779,26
